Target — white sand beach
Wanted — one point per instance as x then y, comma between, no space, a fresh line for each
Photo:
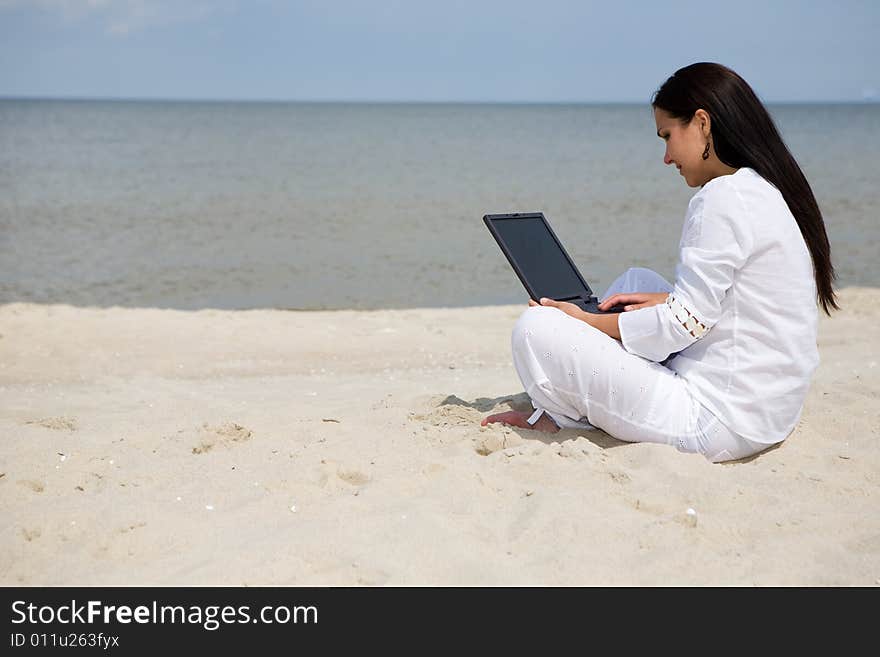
161,447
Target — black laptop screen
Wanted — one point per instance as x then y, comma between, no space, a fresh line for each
540,258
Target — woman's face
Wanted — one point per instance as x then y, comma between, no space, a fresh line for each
685,144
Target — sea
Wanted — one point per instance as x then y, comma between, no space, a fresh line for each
314,206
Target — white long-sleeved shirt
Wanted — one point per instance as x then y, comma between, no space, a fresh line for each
742,317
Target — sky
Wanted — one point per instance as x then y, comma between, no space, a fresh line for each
432,50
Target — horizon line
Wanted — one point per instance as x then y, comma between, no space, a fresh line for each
390,101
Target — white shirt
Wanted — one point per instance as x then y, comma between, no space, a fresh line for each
746,278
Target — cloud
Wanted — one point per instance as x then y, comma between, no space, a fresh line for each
121,17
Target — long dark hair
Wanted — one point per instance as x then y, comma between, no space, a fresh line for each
744,135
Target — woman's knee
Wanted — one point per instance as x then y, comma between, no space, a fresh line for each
640,270
532,322
642,279
542,328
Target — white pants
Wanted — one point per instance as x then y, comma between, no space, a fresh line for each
584,378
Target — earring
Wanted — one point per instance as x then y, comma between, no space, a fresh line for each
706,152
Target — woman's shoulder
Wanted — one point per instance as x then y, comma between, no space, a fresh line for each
722,193
742,178
729,193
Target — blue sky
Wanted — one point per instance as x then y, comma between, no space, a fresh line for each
439,50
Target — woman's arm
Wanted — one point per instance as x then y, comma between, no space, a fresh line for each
607,323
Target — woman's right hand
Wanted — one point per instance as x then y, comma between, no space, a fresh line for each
634,300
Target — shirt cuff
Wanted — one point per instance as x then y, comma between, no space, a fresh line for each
637,325
652,333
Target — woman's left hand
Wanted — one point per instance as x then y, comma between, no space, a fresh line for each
605,323
564,306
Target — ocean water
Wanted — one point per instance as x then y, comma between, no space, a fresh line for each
325,206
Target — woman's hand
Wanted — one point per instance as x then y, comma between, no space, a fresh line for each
634,300
564,306
605,323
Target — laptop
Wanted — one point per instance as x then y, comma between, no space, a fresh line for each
540,262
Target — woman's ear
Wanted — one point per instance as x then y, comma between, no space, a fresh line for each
705,122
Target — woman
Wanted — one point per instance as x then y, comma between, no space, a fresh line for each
720,362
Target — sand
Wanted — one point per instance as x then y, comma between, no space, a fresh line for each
161,447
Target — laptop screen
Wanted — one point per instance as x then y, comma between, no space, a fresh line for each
539,257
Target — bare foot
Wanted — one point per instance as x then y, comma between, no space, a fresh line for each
518,419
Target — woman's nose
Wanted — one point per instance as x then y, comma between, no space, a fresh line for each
666,158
